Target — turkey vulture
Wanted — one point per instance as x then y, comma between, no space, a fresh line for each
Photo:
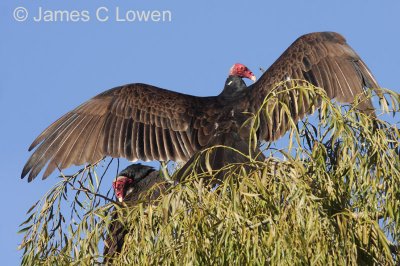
140,121
128,186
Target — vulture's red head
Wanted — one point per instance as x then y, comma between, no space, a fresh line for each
128,178
121,187
242,71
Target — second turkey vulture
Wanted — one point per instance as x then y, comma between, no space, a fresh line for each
143,122
128,186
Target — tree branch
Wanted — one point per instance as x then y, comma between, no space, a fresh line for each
88,191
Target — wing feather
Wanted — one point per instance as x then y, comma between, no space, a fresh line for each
90,138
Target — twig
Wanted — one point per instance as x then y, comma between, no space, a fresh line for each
88,191
104,173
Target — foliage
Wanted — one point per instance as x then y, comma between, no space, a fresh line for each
331,197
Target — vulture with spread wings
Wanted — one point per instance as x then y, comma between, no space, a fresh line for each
143,122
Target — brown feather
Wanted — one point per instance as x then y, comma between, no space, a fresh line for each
160,143
89,137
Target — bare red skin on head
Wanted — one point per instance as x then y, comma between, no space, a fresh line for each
120,186
242,71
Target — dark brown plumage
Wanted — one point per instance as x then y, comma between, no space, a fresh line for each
142,178
216,158
140,121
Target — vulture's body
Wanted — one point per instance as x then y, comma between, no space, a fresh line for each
143,122
131,185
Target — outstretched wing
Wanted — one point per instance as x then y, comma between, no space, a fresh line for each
135,121
323,59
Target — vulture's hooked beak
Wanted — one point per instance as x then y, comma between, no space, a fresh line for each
253,78
122,187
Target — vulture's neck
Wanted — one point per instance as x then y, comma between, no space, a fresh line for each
234,88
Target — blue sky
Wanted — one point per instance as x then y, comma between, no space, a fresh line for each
48,68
